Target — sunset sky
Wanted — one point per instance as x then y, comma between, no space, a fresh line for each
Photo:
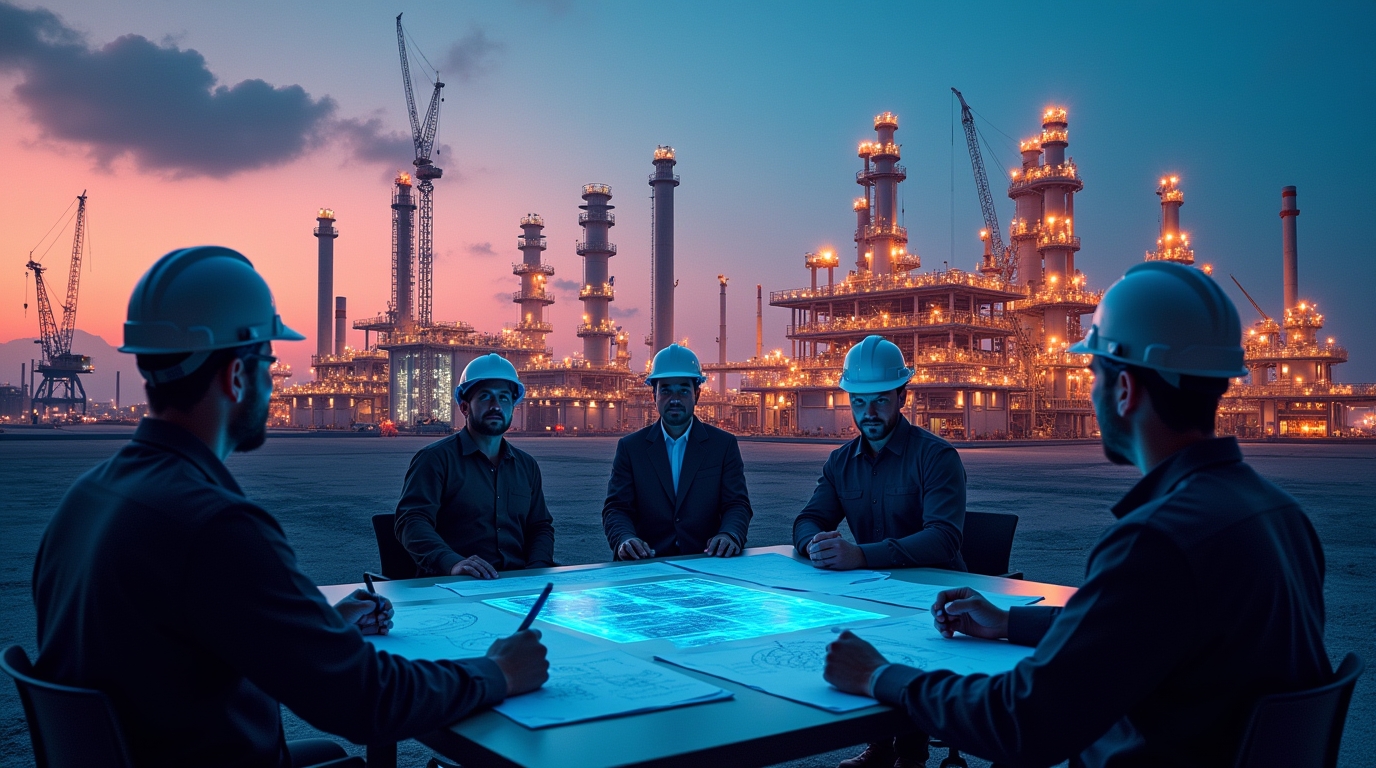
232,123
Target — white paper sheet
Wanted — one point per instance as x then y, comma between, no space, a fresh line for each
461,631
774,570
906,593
531,584
606,684
791,668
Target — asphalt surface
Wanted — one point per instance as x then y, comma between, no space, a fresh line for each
324,491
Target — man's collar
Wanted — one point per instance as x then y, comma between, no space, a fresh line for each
1164,477
468,445
683,436
165,434
897,442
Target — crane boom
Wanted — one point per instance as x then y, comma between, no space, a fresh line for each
47,325
406,78
64,340
986,198
1255,305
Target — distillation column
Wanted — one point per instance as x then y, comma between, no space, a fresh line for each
759,322
533,296
1172,245
663,181
1027,211
597,330
325,234
403,256
887,240
721,336
1289,215
341,324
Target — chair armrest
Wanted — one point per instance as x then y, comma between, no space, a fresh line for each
1013,575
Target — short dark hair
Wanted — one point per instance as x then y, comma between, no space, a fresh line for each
1192,406
183,394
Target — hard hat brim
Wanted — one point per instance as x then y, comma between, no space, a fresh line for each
652,378
872,388
1082,348
463,388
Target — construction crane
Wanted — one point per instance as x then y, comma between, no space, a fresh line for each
986,199
423,137
61,385
1255,305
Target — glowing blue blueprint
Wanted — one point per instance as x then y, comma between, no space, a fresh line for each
688,612
461,631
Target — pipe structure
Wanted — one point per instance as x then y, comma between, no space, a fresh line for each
341,324
1289,215
759,321
403,256
534,273
325,234
721,335
1172,245
597,329
116,390
663,181
885,240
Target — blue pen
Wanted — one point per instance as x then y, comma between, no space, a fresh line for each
535,609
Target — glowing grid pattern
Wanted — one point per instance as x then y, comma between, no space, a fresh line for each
688,612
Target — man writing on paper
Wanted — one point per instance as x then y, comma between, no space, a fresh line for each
161,585
1205,595
473,503
900,488
678,485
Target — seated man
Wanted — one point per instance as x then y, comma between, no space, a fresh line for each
1205,595
160,584
901,490
473,503
678,485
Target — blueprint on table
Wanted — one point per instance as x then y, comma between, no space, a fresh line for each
906,593
774,570
791,668
689,612
461,631
534,584
605,684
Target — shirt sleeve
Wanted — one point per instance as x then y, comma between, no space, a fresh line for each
422,492
539,533
735,499
619,509
943,517
822,513
249,602
1109,648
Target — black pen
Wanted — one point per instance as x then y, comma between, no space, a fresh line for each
377,603
535,609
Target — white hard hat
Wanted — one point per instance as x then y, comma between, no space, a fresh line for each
489,366
198,300
675,362
1170,318
874,365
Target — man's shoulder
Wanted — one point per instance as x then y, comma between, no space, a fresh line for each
1213,500
439,448
637,437
928,440
842,454
521,456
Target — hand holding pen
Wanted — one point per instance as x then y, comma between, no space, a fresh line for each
366,609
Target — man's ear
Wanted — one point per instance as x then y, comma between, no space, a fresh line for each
1128,394
233,380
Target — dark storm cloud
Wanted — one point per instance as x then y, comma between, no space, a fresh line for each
481,249
621,314
567,285
162,106
472,55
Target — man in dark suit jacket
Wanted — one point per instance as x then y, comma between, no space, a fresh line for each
678,485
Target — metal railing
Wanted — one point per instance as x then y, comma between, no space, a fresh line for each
532,242
597,216
536,295
899,322
1262,351
522,268
583,248
664,177
605,328
859,286
604,291
887,230
1071,296
899,170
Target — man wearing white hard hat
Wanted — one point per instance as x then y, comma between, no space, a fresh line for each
1205,595
161,585
900,489
472,503
678,485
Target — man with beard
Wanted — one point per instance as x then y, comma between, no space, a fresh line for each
1204,596
678,485
158,583
901,490
473,503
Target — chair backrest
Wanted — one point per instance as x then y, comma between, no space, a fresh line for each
396,561
1302,729
69,726
987,542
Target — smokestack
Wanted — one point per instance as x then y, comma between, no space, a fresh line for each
1289,211
116,390
721,334
663,182
325,233
597,330
341,319
403,216
759,321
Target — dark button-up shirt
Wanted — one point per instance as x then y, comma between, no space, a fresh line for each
905,505
455,503
1205,595
160,584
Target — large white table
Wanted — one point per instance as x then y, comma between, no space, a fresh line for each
752,729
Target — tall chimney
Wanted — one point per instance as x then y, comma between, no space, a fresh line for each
116,390
325,233
341,325
403,217
597,330
721,335
663,181
1289,211
759,321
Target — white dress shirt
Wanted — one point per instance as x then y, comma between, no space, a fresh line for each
676,450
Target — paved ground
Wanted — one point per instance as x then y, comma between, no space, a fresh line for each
323,491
